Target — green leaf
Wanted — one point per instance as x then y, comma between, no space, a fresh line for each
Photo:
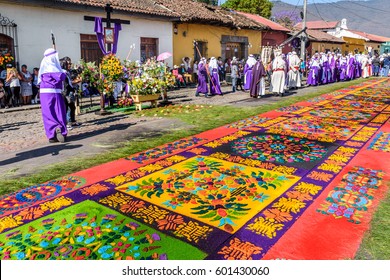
209,215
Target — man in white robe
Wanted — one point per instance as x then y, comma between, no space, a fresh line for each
294,78
278,74
365,65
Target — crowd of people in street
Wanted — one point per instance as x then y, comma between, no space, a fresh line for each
333,67
283,72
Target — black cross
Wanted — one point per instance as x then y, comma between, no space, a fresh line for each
108,20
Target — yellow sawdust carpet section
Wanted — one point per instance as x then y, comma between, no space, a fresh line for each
219,193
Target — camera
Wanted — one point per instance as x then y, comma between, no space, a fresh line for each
74,73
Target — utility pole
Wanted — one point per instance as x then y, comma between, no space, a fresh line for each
303,35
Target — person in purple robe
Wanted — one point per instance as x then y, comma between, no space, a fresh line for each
202,78
257,88
325,69
251,61
343,68
50,79
351,67
358,66
337,76
333,69
215,87
312,77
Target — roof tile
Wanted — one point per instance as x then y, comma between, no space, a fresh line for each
186,10
371,37
268,23
319,24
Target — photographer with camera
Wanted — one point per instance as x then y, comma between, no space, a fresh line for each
70,91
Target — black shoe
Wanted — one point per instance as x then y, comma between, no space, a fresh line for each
60,137
53,140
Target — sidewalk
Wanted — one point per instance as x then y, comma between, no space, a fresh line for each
24,148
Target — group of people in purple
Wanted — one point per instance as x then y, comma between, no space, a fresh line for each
325,68
285,72
209,76
282,72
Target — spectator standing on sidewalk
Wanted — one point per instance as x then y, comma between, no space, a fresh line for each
50,80
240,76
195,71
3,76
376,65
2,94
26,85
234,74
386,65
13,79
35,86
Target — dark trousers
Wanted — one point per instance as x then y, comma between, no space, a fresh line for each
15,96
70,110
239,84
7,96
35,91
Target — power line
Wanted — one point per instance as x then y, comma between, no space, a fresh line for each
372,8
349,10
315,5
296,6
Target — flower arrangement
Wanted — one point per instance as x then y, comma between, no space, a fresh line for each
6,59
125,101
132,69
90,73
111,70
145,85
153,79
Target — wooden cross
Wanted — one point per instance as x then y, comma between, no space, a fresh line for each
108,20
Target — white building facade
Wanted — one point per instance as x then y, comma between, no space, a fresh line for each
75,37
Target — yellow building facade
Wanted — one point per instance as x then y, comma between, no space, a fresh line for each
324,47
352,45
213,41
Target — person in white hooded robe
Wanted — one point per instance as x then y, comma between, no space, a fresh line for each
294,77
365,65
278,74
51,77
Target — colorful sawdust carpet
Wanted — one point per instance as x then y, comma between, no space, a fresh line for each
265,187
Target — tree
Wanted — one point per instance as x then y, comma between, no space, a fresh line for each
209,2
287,18
259,7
